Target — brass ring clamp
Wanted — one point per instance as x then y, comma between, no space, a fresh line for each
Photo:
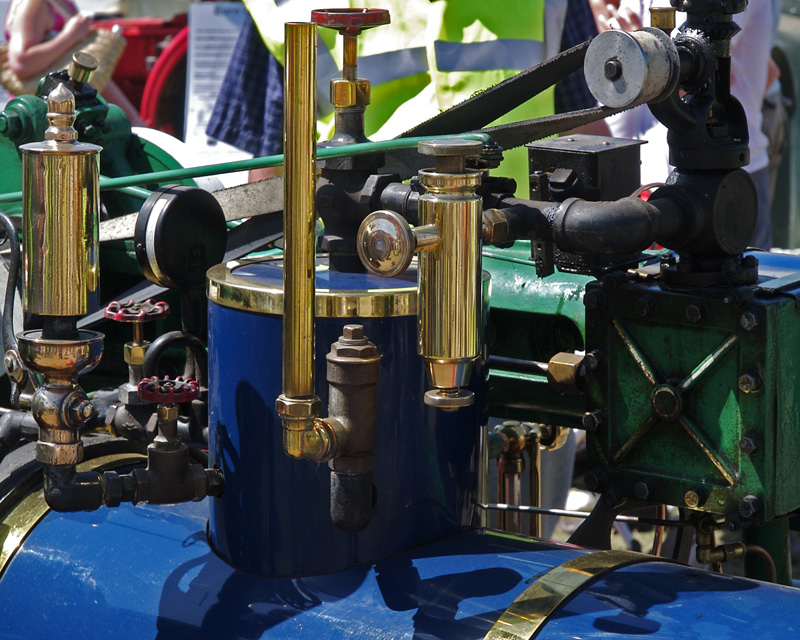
530,611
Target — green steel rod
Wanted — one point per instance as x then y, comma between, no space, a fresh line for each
260,163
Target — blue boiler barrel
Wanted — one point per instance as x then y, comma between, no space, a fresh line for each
148,572
274,516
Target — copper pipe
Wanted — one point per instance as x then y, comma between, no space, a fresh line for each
535,484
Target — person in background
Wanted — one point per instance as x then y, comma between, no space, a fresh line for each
753,73
39,32
248,113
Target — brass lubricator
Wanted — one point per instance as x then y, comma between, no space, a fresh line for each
450,330
61,200
448,241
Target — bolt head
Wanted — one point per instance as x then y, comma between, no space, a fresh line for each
694,498
749,506
749,382
644,306
643,489
749,320
593,420
695,312
612,69
594,360
748,445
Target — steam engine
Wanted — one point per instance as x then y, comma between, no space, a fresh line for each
303,451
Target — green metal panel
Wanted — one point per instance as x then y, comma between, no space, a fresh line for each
675,414
531,318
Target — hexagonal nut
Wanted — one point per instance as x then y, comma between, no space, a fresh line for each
134,353
168,412
364,351
112,488
59,454
563,372
297,408
496,226
348,93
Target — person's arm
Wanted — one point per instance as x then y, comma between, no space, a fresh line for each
28,54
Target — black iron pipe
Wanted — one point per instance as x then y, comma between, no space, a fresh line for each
624,226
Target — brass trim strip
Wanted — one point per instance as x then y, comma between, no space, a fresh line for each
528,614
226,289
29,511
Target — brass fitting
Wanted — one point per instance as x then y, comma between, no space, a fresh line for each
317,443
496,227
350,93
450,286
61,204
565,373
133,353
706,553
167,412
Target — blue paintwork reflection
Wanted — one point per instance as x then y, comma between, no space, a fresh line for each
148,572
274,516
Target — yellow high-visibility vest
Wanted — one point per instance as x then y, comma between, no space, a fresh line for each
432,56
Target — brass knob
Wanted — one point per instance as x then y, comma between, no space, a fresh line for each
386,243
82,66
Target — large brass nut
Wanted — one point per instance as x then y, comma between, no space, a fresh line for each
297,408
495,226
134,353
349,93
167,412
564,372
59,454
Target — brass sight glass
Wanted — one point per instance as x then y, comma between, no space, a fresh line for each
61,201
448,241
450,288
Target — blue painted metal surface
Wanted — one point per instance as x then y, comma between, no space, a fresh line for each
148,572
273,518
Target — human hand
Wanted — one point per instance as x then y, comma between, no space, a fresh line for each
610,15
77,27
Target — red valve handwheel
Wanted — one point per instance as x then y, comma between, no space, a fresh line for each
164,390
350,22
132,311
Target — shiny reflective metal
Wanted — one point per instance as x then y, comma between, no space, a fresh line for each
663,18
20,518
61,201
299,187
225,288
59,405
386,243
450,327
534,606
298,405
625,68
82,66
565,371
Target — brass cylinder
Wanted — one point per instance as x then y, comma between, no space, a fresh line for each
300,114
61,201
450,278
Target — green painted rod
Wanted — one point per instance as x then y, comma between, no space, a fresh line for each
259,163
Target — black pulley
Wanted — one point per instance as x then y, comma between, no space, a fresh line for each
180,233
